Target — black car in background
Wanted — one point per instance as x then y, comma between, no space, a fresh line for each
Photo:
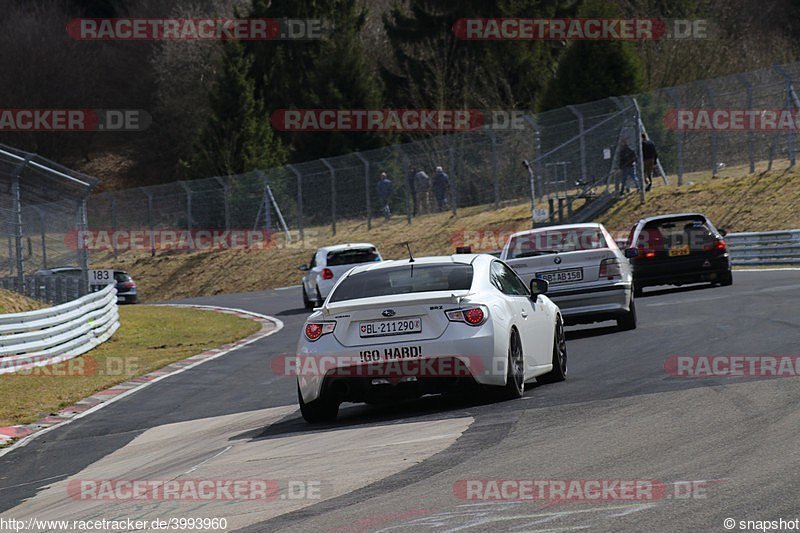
678,249
126,287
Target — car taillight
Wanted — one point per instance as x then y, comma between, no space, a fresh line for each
474,316
610,268
720,245
315,330
645,253
327,273
128,285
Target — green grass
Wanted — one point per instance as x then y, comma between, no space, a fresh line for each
148,338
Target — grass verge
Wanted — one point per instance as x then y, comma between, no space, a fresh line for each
148,339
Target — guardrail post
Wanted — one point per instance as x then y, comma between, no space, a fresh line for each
367,189
788,106
333,193
750,135
299,177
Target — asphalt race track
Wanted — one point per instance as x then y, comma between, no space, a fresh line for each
619,416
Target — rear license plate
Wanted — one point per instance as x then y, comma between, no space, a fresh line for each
120,298
679,250
562,276
380,328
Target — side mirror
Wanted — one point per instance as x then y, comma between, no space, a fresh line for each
303,268
539,286
631,252
723,232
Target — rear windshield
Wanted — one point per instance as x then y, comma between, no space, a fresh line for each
665,234
121,277
551,241
403,280
352,256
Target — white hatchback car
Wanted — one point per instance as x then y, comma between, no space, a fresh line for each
327,266
400,329
590,277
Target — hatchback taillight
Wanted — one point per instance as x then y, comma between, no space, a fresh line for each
128,285
474,316
315,330
327,273
610,268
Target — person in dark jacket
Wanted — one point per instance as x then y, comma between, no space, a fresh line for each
384,192
650,156
441,188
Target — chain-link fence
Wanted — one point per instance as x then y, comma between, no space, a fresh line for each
574,153
42,214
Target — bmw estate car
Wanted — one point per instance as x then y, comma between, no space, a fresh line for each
590,277
400,329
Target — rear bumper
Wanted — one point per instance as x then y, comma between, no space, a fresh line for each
451,360
128,297
663,274
593,304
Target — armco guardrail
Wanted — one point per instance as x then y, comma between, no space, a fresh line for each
55,334
764,248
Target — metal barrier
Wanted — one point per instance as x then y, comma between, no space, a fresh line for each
56,334
764,248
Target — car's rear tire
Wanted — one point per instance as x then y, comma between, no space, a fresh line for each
627,321
317,411
559,372
308,304
726,279
515,371
637,291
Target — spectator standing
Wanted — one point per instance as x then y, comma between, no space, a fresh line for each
650,156
422,184
441,188
384,192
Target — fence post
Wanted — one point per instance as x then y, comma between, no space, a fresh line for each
226,200
366,189
17,208
43,232
639,153
333,193
113,223
676,101
405,165
150,222
454,172
788,106
299,177
704,85
267,206
750,135
83,253
495,174
578,114
188,192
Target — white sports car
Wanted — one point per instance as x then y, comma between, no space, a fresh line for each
327,266
400,329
